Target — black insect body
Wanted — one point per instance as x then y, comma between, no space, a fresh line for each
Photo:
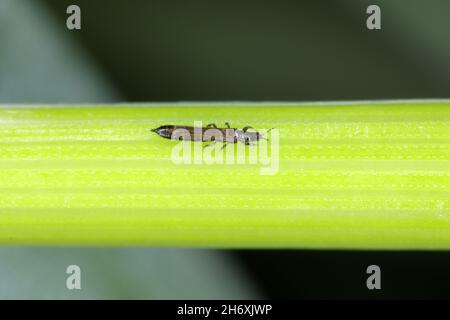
210,133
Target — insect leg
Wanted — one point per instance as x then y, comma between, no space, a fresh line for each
224,145
211,125
246,128
210,144
228,125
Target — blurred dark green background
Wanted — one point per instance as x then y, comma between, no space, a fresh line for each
175,50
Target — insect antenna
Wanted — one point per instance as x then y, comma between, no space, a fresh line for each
263,136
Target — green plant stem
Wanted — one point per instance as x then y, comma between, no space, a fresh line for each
360,175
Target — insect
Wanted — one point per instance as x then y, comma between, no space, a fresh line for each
210,133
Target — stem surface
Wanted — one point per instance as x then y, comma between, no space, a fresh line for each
356,175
